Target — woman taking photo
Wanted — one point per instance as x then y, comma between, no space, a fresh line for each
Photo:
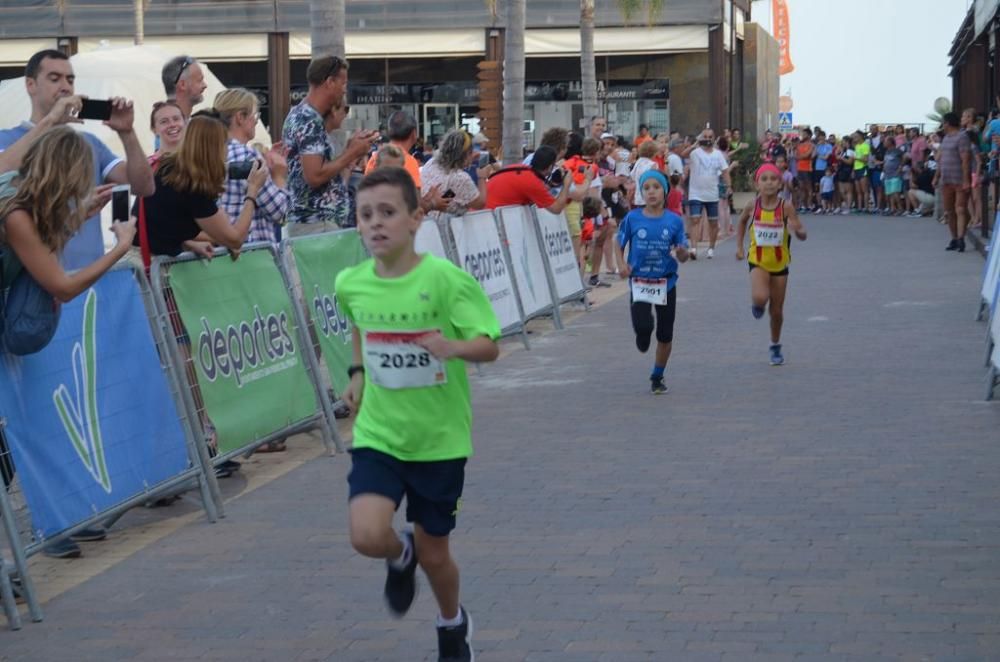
188,183
44,203
446,171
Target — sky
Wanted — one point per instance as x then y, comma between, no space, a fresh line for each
864,61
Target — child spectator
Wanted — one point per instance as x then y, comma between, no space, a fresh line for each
390,156
892,170
675,199
826,188
593,221
787,179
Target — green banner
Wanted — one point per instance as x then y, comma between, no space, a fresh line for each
247,357
319,259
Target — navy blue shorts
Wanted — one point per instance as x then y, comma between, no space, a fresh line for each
711,208
433,490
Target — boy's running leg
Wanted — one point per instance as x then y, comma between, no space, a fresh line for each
778,287
376,490
442,572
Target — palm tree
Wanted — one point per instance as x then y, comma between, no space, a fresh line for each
140,22
329,24
588,66
513,82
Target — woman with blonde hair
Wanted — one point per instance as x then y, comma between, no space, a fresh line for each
238,110
446,171
188,182
45,203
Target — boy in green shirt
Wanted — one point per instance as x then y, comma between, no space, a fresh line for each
416,320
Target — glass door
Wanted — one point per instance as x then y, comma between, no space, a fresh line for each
439,119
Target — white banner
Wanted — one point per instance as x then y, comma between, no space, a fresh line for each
481,254
559,248
991,273
428,240
526,260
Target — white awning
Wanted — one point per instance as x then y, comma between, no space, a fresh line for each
452,43
17,52
619,41
400,43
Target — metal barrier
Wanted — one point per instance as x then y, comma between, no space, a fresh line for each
531,273
991,276
310,265
116,436
432,239
993,347
560,259
243,376
481,251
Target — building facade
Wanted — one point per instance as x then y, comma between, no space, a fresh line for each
688,67
975,59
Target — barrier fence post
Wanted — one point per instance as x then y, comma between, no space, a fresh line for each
16,547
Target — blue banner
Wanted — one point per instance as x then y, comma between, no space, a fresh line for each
90,419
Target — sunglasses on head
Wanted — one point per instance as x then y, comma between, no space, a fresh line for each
187,63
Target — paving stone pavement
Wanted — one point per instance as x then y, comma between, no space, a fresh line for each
842,507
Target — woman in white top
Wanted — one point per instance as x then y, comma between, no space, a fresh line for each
447,172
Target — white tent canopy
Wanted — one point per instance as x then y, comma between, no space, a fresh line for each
132,72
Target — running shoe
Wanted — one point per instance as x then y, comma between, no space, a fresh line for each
694,253
961,245
711,253
657,387
455,641
776,357
595,281
757,312
401,584
952,245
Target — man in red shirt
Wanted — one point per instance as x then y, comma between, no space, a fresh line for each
519,185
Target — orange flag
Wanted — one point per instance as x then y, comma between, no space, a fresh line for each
779,11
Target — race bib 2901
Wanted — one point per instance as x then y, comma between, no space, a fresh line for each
650,291
394,360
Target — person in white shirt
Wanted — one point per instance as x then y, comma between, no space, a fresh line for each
707,167
645,162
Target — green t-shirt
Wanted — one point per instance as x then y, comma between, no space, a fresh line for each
413,407
861,153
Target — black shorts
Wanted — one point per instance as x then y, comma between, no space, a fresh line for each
642,318
783,272
860,174
818,175
433,490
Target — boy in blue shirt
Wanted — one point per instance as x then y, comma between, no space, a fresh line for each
656,242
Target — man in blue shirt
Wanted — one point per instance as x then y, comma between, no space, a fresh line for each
50,82
656,242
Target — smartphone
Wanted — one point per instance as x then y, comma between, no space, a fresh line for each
582,170
119,204
484,159
240,169
448,194
95,109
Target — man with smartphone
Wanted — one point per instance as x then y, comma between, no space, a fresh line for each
50,82
313,161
